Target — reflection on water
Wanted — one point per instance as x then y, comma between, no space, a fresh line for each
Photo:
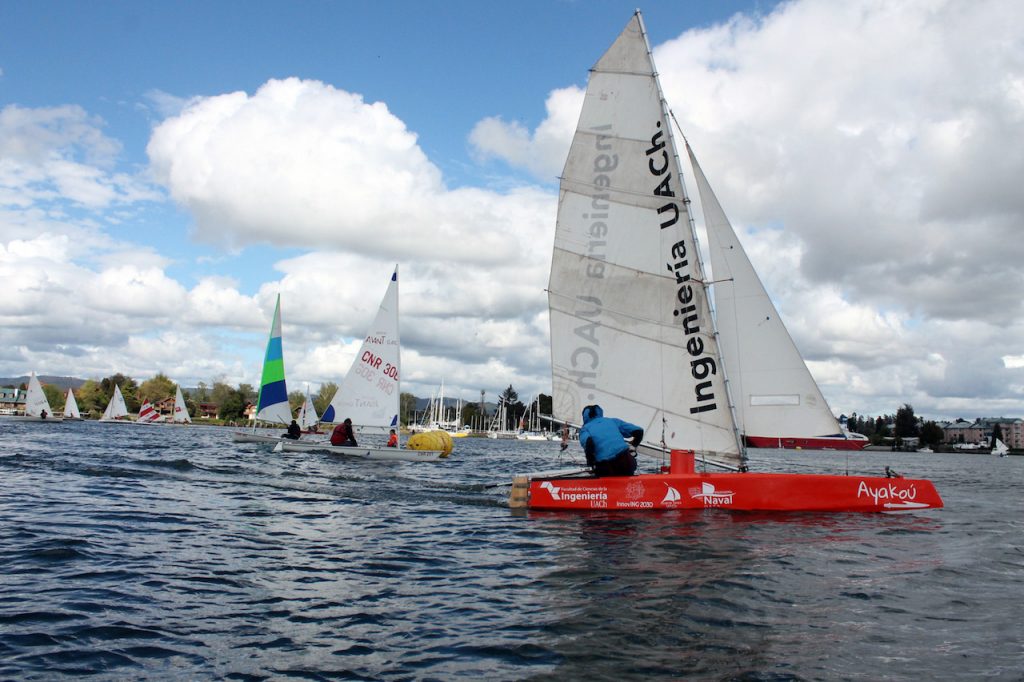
172,552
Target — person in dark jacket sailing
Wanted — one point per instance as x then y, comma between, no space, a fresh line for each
343,434
603,440
294,432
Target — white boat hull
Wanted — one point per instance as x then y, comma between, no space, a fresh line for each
242,437
383,454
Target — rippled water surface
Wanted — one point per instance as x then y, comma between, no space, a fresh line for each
131,552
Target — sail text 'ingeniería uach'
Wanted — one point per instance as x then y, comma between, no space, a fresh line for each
702,366
585,358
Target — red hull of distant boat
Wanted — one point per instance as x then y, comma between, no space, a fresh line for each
818,443
681,488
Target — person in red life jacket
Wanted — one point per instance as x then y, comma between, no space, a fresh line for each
393,439
603,440
343,434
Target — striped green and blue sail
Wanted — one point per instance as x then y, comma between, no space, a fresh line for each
272,405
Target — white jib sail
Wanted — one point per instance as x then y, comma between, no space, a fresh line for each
116,407
35,399
71,406
774,391
307,414
181,415
631,326
369,395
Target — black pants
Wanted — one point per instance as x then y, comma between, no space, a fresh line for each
622,464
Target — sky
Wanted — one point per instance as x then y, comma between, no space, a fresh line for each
168,169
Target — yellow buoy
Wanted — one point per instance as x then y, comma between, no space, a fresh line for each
431,440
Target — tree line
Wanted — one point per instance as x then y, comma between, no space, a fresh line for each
903,424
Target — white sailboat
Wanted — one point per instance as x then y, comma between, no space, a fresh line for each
116,409
455,426
369,395
1000,448
181,415
308,418
71,412
529,425
632,327
435,417
499,425
37,407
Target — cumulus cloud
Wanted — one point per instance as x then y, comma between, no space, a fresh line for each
303,164
543,151
61,153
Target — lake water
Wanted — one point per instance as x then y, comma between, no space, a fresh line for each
170,552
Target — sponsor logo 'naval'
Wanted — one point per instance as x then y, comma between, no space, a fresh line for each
710,496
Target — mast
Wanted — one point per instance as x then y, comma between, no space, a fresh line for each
398,361
699,259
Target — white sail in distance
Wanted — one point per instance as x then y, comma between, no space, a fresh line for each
71,406
770,383
116,407
181,415
369,394
307,413
35,399
631,325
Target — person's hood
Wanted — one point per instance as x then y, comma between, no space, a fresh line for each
592,412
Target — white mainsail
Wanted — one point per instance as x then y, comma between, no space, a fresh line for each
631,325
71,406
369,395
773,389
35,399
181,415
116,407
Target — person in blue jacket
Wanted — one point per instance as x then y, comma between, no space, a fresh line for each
603,440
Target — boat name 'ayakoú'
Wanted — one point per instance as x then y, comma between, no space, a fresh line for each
702,365
889,491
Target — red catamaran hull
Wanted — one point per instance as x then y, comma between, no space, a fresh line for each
681,488
819,443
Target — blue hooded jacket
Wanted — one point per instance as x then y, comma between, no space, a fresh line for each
605,434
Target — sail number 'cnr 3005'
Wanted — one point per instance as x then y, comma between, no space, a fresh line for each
375,362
